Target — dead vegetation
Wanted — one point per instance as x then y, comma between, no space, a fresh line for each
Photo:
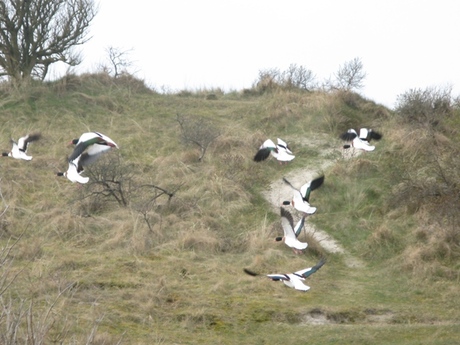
154,247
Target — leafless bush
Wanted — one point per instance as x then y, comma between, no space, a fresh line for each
298,77
295,77
147,198
427,113
109,179
425,107
427,165
269,80
349,77
197,131
119,61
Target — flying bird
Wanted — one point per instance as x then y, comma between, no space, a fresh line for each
94,143
291,233
293,280
281,151
301,198
19,149
87,150
74,171
361,141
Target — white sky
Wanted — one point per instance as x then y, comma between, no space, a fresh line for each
185,44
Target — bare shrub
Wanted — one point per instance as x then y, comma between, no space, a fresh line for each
146,201
427,160
109,179
298,77
295,77
268,80
427,168
119,61
197,131
425,107
350,76
113,180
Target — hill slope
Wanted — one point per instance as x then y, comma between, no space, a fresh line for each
134,263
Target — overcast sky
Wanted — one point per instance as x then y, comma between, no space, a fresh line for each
185,44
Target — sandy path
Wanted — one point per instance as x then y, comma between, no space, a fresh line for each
280,191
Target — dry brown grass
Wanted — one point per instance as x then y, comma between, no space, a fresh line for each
171,271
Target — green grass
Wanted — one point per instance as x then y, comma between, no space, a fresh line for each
181,282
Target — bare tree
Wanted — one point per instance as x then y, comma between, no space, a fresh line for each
350,76
37,33
119,60
298,77
197,131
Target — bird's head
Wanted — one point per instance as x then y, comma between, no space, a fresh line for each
278,239
6,154
72,142
286,203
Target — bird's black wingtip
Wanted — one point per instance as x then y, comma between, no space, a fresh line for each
375,135
317,182
261,155
34,136
348,136
251,273
320,263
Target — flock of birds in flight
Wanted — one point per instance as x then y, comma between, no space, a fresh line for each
87,150
301,201
89,146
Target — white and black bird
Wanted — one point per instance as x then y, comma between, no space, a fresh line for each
301,198
291,232
362,140
87,150
19,148
281,152
293,280
94,143
74,171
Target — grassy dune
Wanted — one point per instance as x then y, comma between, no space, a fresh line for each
88,269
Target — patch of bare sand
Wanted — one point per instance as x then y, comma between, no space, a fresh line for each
280,191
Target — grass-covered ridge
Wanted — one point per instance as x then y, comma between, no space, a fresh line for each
165,270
